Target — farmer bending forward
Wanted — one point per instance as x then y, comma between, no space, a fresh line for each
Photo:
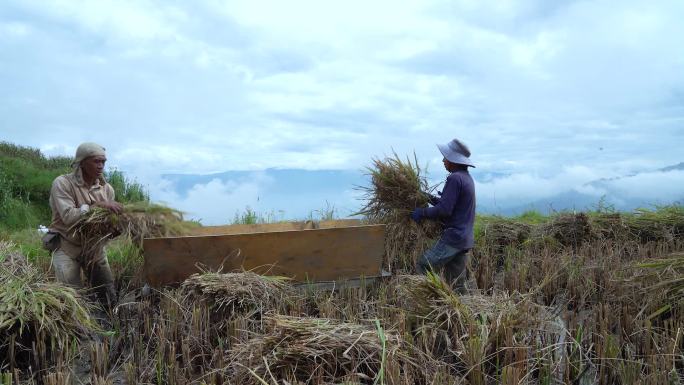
456,210
72,195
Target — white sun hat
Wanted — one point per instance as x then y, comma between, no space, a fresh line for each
456,152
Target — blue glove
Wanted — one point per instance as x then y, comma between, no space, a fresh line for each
417,215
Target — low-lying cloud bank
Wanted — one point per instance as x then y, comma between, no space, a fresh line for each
579,188
301,194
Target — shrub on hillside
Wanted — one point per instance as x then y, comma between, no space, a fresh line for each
26,177
127,190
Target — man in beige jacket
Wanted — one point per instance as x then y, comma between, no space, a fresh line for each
73,195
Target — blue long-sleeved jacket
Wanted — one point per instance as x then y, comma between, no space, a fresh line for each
456,210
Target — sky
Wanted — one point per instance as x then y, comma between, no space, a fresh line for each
548,95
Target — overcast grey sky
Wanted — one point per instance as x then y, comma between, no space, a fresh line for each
556,93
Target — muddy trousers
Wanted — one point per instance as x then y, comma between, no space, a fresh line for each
446,260
97,272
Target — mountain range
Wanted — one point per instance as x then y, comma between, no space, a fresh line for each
297,193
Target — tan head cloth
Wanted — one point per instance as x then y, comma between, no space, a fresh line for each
86,150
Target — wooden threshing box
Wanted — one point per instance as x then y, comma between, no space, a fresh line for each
304,251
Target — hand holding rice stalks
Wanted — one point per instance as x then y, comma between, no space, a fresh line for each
398,187
138,221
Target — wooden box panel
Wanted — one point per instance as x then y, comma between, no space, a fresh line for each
325,254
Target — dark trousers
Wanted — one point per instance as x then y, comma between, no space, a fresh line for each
446,260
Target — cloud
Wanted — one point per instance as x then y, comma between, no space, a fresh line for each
213,203
535,88
521,188
654,187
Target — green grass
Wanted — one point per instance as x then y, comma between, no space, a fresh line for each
125,257
126,190
28,243
26,177
326,213
252,217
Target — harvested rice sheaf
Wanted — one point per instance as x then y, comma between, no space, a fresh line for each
36,310
397,188
568,229
663,282
498,233
472,330
138,221
244,293
663,224
320,350
610,226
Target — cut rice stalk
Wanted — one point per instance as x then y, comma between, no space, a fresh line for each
397,187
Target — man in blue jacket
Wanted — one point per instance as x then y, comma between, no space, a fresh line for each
456,210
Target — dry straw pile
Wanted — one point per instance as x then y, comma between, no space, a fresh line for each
36,311
244,293
319,350
497,234
666,224
476,333
567,229
397,187
663,281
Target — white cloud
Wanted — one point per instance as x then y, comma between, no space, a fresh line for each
14,30
213,203
131,20
527,187
535,88
656,187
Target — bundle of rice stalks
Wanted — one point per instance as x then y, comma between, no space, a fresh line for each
319,350
664,224
473,331
611,226
568,229
35,311
9,254
431,298
499,233
663,283
398,187
138,221
230,294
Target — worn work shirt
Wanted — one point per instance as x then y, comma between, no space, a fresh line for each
70,198
456,210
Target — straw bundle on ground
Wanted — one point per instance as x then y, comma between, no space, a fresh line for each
138,221
663,283
319,350
664,224
431,298
611,226
568,229
33,308
473,331
397,187
499,233
245,293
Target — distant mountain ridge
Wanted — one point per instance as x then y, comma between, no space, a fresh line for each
299,191
575,200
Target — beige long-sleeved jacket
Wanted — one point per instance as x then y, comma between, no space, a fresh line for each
70,198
